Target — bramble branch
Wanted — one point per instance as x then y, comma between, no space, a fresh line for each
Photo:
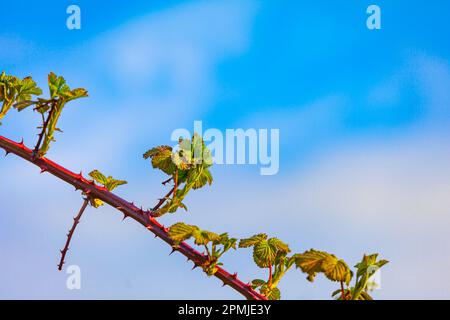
129,210
76,221
189,168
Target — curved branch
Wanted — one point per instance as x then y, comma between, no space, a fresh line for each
129,210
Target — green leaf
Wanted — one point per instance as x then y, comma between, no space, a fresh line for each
108,182
279,245
265,252
57,85
369,265
271,293
161,159
23,105
113,183
338,271
59,89
26,88
203,237
202,179
75,94
98,177
226,241
312,262
180,232
96,203
249,242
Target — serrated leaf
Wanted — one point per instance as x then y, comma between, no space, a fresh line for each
203,237
279,245
312,262
108,182
227,242
180,232
161,158
98,177
338,271
75,94
26,88
113,184
23,105
202,179
57,85
264,254
271,293
249,242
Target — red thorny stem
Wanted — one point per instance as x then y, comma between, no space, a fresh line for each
76,221
129,210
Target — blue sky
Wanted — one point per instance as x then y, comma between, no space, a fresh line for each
363,118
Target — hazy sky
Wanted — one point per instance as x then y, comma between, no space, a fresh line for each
364,139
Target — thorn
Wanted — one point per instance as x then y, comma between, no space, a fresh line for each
234,275
6,153
124,217
43,169
194,267
224,284
171,252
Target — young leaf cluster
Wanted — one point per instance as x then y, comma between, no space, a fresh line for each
215,245
271,254
365,269
16,92
313,262
187,167
60,94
